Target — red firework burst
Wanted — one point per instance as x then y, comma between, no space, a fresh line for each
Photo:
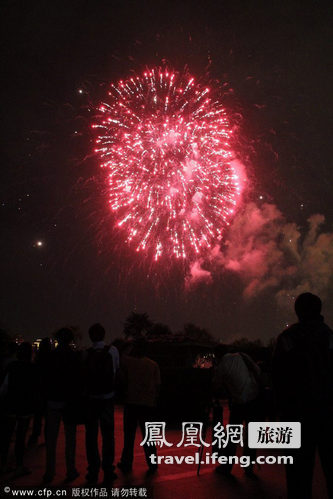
166,146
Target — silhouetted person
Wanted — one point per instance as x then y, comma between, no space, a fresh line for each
8,355
123,346
302,375
239,377
141,381
62,383
18,396
100,365
41,361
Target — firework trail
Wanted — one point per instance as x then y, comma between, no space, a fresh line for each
166,147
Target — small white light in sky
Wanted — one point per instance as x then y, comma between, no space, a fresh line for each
39,244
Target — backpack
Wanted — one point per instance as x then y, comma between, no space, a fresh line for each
99,374
254,373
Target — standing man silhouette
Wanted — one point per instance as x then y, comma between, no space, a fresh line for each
302,376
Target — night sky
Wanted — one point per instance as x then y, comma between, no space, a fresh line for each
61,261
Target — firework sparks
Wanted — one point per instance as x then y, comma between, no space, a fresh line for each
166,147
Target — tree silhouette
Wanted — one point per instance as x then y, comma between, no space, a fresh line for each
137,325
159,330
198,334
246,344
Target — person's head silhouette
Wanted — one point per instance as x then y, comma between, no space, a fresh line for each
139,347
96,333
220,351
308,307
64,336
24,351
45,346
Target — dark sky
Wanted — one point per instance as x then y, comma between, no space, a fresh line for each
277,58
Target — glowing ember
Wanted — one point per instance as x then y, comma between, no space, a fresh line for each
166,146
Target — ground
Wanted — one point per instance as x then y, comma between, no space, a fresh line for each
171,481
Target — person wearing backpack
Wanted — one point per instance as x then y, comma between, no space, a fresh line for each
61,376
19,394
238,377
303,384
100,365
141,381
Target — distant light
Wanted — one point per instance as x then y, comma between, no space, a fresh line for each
39,244
80,91
261,197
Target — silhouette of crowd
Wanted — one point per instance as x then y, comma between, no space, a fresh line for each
76,387
62,384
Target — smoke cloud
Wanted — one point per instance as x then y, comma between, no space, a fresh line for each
266,251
